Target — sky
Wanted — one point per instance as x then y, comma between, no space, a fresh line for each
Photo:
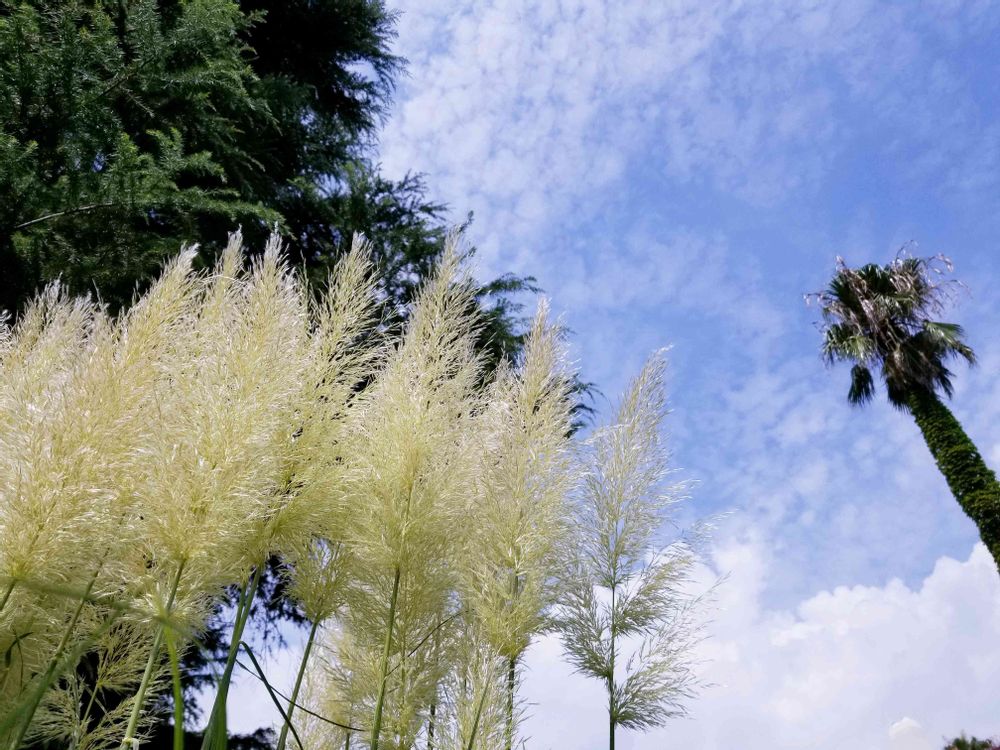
679,173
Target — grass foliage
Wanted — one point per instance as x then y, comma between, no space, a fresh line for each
430,525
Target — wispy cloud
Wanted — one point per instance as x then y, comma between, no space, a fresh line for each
527,111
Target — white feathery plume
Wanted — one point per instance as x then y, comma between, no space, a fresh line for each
624,588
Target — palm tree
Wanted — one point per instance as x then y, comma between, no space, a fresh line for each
880,317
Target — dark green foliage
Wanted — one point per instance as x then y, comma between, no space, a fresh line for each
130,128
971,743
879,317
119,133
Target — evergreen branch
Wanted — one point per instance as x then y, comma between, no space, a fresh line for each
67,212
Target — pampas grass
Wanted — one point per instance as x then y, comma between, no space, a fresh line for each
422,508
624,588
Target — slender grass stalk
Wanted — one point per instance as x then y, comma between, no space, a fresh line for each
6,594
649,613
475,721
57,657
384,669
270,691
511,675
175,680
147,676
612,713
215,732
437,657
283,737
511,680
85,720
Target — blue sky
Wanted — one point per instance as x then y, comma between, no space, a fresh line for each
680,172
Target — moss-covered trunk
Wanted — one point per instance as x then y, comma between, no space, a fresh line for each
971,481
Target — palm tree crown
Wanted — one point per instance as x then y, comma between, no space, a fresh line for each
880,317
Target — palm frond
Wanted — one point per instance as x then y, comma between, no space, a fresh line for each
881,315
862,386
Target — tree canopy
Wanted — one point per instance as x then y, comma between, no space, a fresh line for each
128,129
881,317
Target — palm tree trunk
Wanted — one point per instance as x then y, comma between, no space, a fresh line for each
971,481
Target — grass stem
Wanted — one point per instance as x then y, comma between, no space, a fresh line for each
283,737
475,721
215,731
6,594
128,741
384,669
175,680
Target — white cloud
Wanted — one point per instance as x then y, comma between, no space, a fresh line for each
907,734
872,667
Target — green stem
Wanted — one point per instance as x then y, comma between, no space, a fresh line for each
475,721
215,731
283,738
7,593
511,671
436,634
85,721
384,669
511,681
971,481
57,657
128,740
611,676
175,679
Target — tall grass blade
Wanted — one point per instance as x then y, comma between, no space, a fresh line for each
298,685
384,668
272,693
216,732
133,722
